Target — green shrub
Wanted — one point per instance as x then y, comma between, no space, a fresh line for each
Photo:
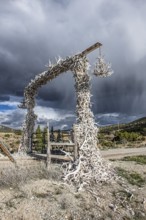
141,159
133,178
128,136
107,144
7,135
144,131
17,142
18,132
100,136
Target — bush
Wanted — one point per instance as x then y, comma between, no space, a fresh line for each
128,136
7,135
100,136
17,142
144,130
107,144
133,178
18,132
141,159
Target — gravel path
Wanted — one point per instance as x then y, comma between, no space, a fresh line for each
107,154
122,152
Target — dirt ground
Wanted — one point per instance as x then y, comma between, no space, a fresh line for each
32,193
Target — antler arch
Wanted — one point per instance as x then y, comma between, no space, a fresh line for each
77,64
89,168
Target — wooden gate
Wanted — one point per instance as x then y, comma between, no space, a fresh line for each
65,149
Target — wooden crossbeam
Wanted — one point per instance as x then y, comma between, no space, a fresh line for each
54,156
91,48
57,156
61,144
83,53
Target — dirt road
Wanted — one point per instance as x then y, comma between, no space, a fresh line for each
107,154
122,152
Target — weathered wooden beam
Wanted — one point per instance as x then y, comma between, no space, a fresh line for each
61,144
54,156
6,151
48,161
76,148
91,48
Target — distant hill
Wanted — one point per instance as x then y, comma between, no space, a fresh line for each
138,125
6,129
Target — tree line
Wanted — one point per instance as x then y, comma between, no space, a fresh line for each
40,137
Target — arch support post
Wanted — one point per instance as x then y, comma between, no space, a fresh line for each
28,129
85,129
89,168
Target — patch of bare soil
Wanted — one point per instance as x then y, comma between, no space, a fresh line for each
39,194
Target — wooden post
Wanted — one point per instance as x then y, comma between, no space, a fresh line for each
48,162
91,48
31,142
4,148
76,153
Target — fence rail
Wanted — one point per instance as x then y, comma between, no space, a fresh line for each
62,150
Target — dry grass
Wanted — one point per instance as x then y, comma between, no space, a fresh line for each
133,178
141,159
35,193
14,176
12,140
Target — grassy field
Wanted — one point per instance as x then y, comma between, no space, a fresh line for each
123,135
141,159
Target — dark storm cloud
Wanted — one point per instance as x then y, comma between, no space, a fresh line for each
60,93
122,93
62,124
12,118
32,32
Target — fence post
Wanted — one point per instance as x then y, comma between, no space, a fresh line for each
75,143
48,162
31,143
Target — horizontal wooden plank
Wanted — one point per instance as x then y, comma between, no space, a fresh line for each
61,157
61,144
91,48
53,156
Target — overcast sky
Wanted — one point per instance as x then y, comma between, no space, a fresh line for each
34,32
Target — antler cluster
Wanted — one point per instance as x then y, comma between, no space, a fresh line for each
102,68
90,168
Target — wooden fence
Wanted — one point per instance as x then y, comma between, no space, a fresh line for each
55,150
58,151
